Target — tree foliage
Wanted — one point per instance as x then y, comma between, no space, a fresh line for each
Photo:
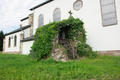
1,40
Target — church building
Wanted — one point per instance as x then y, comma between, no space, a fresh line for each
101,21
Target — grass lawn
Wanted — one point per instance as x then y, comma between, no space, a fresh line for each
19,67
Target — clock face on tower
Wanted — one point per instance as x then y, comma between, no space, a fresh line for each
78,5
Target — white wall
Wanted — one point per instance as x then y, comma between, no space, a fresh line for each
99,37
25,22
27,33
26,47
12,48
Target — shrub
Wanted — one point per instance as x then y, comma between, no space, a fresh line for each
43,42
84,49
94,54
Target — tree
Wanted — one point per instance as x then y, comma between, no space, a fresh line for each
1,40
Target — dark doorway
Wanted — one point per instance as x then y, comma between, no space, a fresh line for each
65,41
63,33
63,36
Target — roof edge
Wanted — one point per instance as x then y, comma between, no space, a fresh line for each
48,1
24,18
18,30
31,38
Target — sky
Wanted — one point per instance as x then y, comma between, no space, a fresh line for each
12,11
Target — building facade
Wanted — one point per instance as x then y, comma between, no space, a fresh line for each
101,21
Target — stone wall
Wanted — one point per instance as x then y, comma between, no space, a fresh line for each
58,52
64,49
31,23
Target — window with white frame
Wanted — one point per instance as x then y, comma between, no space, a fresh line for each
40,20
108,12
56,15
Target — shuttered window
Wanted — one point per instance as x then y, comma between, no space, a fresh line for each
108,12
56,15
41,20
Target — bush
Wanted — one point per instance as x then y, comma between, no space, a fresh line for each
84,49
43,42
94,54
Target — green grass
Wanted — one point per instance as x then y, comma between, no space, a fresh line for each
20,67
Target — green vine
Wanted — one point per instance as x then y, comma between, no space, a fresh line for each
44,36
75,28
43,42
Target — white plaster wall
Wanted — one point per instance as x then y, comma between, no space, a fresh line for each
27,33
26,47
12,48
99,37
25,22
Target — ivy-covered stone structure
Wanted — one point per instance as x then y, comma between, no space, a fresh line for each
68,34
61,41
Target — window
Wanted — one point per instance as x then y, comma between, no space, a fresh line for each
108,12
41,20
15,41
78,5
9,42
56,15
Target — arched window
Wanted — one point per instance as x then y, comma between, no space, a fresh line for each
15,41
9,42
56,15
40,20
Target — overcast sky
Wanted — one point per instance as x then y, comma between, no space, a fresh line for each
12,11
